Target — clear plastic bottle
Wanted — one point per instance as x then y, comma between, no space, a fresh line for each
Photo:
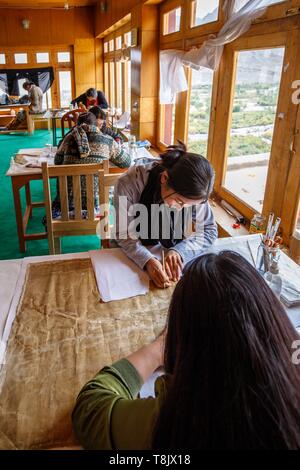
12,164
273,278
132,147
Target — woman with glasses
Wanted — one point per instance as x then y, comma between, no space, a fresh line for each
166,203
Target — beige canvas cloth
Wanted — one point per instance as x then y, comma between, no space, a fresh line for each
61,337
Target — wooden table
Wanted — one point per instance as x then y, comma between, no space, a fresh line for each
28,125
13,272
21,177
55,115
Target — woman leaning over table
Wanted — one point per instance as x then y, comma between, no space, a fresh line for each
180,185
229,383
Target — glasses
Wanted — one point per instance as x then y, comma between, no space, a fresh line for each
181,202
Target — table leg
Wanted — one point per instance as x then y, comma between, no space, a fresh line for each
54,131
19,217
28,198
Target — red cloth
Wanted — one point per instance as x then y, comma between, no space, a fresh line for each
90,103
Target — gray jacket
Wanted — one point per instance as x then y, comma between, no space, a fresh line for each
131,185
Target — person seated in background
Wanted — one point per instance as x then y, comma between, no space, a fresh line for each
90,98
180,184
85,144
4,98
229,379
101,123
35,96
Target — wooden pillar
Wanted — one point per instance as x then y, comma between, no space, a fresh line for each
99,64
85,53
145,72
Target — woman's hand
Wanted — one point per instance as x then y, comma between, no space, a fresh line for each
157,274
174,265
149,358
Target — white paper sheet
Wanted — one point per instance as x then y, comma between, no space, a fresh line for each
117,276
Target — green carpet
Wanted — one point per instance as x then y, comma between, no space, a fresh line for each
9,243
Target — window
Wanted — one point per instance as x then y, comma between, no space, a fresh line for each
168,124
42,57
21,58
112,84
266,3
128,81
65,87
106,80
47,99
111,45
105,47
22,91
2,59
200,108
172,21
119,82
127,39
63,57
204,11
254,111
119,43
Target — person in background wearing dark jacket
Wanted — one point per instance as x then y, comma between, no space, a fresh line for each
101,123
90,98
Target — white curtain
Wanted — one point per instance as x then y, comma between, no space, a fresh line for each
239,14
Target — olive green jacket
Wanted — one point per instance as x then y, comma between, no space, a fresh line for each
108,415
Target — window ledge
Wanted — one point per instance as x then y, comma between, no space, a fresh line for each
225,222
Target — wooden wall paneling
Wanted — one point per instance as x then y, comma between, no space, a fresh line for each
62,27
48,27
145,71
116,10
99,64
84,65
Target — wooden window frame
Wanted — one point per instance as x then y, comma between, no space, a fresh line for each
207,28
212,118
31,56
64,69
119,79
166,8
106,80
43,52
280,10
279,167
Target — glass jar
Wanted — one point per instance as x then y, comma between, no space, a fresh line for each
257,224
267,257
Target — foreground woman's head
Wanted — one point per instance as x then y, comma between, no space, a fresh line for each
228,351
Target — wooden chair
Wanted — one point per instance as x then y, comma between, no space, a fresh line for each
106,181
71,117
78,226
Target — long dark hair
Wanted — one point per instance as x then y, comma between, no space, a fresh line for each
190,174
228,354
